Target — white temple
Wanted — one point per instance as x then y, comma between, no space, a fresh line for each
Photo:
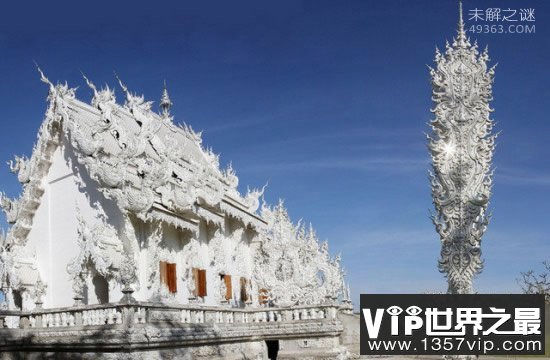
122,209
117,197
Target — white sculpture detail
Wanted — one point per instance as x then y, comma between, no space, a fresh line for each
291,264
153,256
10,208
223,290
461,145
159,173
99,247
218,256
191,259
127,274
21,166
6,261
39,291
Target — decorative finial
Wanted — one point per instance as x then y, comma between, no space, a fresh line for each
460,15
461,39
165,103
89,83
44,79
124,87
129,97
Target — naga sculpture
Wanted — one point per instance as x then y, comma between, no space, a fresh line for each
21,167
461,146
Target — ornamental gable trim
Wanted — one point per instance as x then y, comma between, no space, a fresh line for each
143,161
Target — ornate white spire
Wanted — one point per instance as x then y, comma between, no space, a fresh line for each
165,104
461,146
461,39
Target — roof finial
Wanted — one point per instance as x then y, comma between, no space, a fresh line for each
461,39
165,103
124,87
44,79
89,83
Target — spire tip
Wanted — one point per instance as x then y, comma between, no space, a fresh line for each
461,38
165,102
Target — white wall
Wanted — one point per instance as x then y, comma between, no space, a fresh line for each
54,237
54,230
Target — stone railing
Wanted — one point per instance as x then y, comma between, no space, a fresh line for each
129,315
143,326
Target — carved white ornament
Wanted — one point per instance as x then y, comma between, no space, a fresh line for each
39,291
461,146
153,257
191,259
7,276
135,178
100,247
160,173
292,265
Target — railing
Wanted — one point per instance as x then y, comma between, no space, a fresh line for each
142,313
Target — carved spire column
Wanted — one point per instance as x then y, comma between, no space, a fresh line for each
165,104
461,146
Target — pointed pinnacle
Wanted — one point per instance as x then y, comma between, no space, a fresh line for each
44,79
460,16
165,102
124,87
89,83
461,39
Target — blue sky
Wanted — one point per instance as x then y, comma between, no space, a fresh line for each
328,101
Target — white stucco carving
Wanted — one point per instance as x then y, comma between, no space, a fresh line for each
10,207
99,247
149,192
153,256
292,265
6,264
191,259
39,291
22,167
461,145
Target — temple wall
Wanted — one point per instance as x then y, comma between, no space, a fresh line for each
54,231
170,250
38,242
237,241
54,239
174,248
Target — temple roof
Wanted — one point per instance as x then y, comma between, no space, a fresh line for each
143,161
167,136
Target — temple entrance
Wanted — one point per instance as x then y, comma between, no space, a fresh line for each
17,299
272,349
101,289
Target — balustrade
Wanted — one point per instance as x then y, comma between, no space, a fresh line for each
120,314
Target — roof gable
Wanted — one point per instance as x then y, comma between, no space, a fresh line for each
142,160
